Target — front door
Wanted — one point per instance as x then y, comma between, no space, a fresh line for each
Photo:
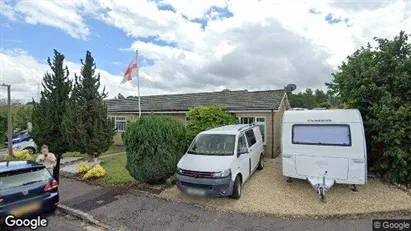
243,156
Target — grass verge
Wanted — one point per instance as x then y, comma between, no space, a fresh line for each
116,172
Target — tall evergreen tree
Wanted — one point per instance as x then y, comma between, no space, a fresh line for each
87,125
47,115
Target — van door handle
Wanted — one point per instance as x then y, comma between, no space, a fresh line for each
251,149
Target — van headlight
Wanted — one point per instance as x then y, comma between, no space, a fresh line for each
222,174
179,171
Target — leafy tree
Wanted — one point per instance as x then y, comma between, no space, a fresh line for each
154,144
205,117
376,81
23,116
87,126
14,102
320,96
305,99
3,127
47,117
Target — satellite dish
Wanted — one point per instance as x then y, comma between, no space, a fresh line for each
291,87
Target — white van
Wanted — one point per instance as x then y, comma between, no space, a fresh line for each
220,160
324,147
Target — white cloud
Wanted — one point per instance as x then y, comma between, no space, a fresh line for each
7,11
266,44
24,73
65,15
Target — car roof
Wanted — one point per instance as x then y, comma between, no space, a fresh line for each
19,165
228,129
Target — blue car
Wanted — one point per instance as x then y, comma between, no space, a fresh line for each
26,188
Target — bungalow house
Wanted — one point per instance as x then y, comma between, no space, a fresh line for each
264,108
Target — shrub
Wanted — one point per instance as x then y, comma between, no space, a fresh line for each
154,145
83,168
95,172
19,155
205,117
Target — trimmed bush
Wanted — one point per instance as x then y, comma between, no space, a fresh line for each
95,172
19,155
154,145
205,117
83,168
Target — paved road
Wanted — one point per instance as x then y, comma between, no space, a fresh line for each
61,222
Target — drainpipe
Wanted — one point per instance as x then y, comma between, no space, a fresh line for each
272,133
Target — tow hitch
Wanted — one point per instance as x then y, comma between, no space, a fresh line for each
321,186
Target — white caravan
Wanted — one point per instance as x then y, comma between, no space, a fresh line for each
324,147
220,160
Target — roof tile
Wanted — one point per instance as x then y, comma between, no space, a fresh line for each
230,100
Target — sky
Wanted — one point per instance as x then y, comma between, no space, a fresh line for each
191,45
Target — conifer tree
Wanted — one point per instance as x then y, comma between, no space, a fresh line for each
48,113
87,126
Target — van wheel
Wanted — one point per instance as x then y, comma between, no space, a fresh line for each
30,150
261,162
237,188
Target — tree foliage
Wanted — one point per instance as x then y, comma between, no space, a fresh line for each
376,81
3,127
23,116
312,99
47,117
87,126
205,117
154,144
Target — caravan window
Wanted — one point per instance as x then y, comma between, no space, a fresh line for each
321,134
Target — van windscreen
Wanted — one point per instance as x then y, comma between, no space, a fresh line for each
213,144
321,134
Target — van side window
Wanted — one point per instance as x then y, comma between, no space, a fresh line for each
242,145
250,137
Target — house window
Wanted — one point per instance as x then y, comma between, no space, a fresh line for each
259,121
246,120
120,123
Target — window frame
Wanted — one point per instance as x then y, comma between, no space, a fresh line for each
264,133
242,135
249,140
119,119
324,125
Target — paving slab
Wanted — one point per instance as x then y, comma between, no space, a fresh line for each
70,189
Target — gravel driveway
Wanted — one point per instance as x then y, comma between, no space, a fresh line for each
267,192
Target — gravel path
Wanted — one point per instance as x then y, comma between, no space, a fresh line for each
267,192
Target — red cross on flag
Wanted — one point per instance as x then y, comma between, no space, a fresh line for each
132,70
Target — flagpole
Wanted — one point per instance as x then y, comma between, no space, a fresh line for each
138,85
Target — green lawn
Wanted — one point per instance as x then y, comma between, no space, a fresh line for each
116,172
111,150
